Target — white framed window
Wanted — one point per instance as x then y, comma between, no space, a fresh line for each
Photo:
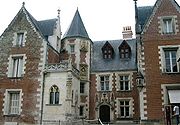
104,83
12,102
19,38
124,83
16,65
54,95
125,108
168,25
170,60
169,56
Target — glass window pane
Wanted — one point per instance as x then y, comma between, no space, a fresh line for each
126,102
121,85
127,111
57,98
122,111
102,78
121,102
102,86
126,85
51,97
107,85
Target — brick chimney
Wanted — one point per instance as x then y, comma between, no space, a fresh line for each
127,32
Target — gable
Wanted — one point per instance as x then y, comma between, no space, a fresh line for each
152,28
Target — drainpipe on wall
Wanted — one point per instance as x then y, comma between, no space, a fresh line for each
43,81
42,101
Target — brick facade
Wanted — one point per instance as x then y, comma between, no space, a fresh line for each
154,42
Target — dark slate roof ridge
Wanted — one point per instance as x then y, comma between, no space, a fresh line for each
76,28
114,40
33,20
145,7
177,5
47,20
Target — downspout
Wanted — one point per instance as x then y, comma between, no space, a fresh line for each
43,81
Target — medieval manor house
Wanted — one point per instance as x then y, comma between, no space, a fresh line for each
46,76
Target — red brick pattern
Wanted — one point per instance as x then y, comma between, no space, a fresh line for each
154,77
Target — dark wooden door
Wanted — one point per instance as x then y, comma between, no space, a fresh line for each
104,113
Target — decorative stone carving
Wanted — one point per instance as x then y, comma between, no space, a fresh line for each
83,71
84,46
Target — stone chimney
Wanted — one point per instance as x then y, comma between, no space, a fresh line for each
127,32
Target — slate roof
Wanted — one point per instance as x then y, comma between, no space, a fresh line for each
116,64
47,26
76,28
144,13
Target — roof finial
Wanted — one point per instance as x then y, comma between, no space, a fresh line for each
23,4
58,12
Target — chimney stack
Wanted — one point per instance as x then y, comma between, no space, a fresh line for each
127,32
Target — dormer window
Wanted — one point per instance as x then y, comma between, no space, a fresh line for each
107,51
124,50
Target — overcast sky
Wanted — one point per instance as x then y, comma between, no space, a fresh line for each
103,19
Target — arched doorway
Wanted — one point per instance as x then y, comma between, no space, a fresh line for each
104,113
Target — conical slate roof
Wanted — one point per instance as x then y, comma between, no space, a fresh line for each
77,28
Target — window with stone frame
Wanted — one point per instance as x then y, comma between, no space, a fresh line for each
124,83
168,25
170,58
54,95
16,66
107,51
124,108
104,83
124,50
12,102
20,39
